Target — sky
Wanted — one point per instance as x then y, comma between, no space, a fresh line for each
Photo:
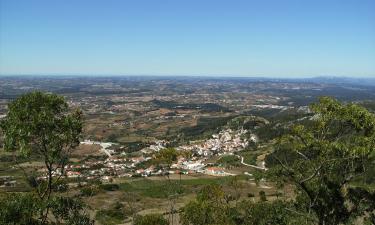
262,38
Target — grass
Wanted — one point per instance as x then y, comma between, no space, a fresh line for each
8,168
164,188
149,188
229,161
116,214
208,181
249,157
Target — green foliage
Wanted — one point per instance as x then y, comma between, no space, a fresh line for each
369,175
109,187
262,196
133,146
26,209
323,158
211,208
265,213
250,195
164,188
249,157
207,181
69,210
229,161
150,219
212,192
280,154
270,131
363,203
19,209
41,123
205,213
246,122
60,186
89,191
153,189
114,215
205,127
166,156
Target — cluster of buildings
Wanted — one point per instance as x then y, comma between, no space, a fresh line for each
121,165
199,166
104,170
224,142
157,146
270,106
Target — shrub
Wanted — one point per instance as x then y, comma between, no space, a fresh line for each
88,191
109,187
250,195
262,196
115,215
151,219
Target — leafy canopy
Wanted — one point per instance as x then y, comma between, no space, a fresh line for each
323,157
41,123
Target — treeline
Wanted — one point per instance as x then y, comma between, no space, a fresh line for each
206,126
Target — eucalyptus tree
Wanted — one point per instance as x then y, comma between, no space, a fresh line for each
323,157
41,125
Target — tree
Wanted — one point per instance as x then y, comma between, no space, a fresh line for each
209,208
211,193
41,125
265,213
324,157
115,214
19,209
165,158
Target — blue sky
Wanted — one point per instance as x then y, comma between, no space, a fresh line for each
274,38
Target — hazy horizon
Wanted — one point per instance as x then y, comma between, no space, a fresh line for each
288,39
187,76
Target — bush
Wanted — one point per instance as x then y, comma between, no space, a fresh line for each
88,191
109,187
262,196
250,195
115,215
249,157
229,161
265,213
60,186
151,219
